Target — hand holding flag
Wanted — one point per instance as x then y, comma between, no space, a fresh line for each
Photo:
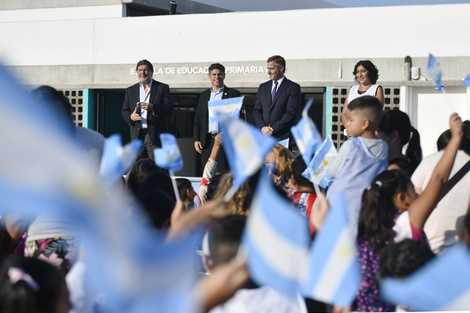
117,160
306,135
169,157
319,164
245,147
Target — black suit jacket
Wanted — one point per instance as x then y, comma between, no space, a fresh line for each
282,113
162,106
202,114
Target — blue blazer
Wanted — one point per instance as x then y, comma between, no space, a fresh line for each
282,113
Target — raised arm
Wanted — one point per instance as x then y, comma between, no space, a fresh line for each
422,207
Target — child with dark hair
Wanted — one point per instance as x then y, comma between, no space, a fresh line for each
190,198
395,128
400,164
186,192
30,285
443,140
392,211
221,248
305,195
360,158
401,259
139,172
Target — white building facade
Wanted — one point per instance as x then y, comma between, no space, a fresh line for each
90,51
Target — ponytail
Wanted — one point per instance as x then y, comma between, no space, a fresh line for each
413,152
378,211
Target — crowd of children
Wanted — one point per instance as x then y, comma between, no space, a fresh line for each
394,222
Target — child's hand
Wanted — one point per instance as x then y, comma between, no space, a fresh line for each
455,123
320,210
218,139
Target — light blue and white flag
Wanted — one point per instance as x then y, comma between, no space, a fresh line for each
334,275
245,147
306,135
442,284
320,163
44,171
466,80
117,160
169,155
275,240
230,107
284,143
435,72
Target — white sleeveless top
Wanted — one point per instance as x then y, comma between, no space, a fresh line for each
353,92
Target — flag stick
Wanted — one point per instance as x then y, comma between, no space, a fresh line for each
315,186
175,187
230,194
448,100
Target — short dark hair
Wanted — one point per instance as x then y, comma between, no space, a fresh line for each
57,103
183,184
20,296
396,120
158,206
369,106
373,72
399,260
139,172
144,62
224,238
217,66
298,167
465,143
278,60
443,140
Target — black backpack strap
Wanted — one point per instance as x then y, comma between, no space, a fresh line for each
455,179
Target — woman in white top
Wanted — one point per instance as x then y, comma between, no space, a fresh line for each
366,74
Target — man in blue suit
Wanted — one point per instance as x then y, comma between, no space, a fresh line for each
278,102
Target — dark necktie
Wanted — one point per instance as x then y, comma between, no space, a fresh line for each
273,94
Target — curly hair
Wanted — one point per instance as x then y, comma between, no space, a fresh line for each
373,72
279,160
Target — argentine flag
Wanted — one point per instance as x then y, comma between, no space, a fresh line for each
117,160
43,170
466,80
442,284
324,156
245,147
334,275
169,155
435,72
306,135
275,241
230,107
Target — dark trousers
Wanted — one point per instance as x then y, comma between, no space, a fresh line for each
147,148
222,165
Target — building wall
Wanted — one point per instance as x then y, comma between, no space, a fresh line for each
321,47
